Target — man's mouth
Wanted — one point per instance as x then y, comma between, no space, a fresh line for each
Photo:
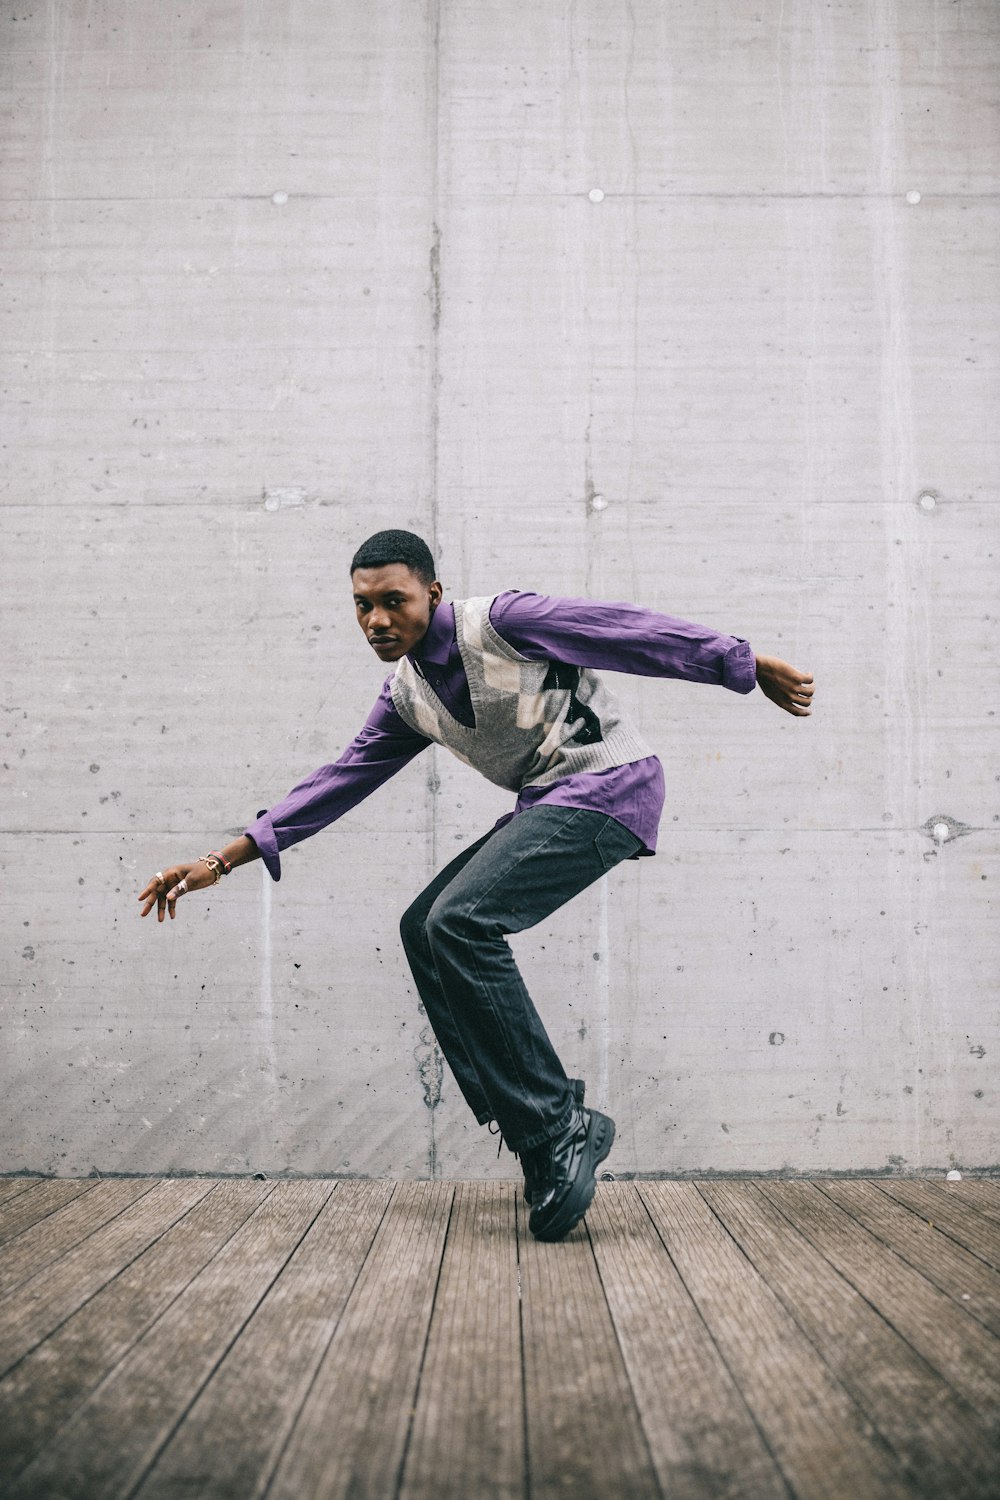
383,640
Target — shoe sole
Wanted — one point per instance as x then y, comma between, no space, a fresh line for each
600,1139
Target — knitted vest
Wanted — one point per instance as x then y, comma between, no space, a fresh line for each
536,721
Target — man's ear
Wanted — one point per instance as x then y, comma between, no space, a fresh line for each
436,591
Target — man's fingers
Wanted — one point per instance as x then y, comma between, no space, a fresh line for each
165,888
180,889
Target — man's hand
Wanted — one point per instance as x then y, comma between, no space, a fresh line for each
785,685
167,885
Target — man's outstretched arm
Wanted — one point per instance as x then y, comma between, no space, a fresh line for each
629,638
384,746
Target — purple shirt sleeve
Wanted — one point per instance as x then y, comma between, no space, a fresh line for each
383,746
622,638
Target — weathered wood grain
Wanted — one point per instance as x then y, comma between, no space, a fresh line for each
952,1343
956,1271
980,1193
468,1424
21,1211
311,1340
113,1438
351,1433
934,1435
702,1436
46,1299
819,1436
947,1211
45,1242
11,1187
984,1194
230,1440
41,1392
576,1385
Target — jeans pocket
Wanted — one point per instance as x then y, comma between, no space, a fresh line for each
615,843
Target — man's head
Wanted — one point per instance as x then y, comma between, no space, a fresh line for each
395,591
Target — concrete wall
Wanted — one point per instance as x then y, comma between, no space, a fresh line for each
277,275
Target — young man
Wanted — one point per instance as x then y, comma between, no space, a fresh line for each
508,685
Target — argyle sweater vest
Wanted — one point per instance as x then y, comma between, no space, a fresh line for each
537,722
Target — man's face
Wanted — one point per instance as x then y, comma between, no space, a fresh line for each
394,608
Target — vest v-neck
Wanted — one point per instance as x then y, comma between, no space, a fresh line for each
438,662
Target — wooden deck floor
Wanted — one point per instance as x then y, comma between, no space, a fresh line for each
297,1339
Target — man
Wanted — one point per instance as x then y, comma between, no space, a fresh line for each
508,684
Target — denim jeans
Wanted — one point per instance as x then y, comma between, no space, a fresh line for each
455,939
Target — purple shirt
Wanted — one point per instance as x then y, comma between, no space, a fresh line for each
580,632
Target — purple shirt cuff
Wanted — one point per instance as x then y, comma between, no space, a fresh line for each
262,833
739,668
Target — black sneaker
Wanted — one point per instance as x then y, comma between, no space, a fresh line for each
534,1162
566,1188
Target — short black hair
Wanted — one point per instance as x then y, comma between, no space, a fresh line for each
387,547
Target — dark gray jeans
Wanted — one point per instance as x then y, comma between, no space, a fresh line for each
455,939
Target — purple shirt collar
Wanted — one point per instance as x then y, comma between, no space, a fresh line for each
437,644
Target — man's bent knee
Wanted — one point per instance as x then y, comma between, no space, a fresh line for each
453,920
412,926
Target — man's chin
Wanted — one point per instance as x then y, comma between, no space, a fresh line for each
391,651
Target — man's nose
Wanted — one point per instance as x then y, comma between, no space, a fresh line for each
378,620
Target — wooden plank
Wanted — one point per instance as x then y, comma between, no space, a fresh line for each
956,1271
351,1433
704,1442
576,1387
12,1187
947,1212
468,1428
45,1388
949,1340
114,1436
44,1301
229,1442
819,1436
44,1243
933,1434
980,1193
43,1199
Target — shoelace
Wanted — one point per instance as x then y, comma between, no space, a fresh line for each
498,1132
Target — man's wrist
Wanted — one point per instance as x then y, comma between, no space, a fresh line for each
241,851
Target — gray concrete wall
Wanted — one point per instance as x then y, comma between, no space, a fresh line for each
278,275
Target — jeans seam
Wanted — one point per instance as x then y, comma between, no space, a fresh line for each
444,993
600,849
